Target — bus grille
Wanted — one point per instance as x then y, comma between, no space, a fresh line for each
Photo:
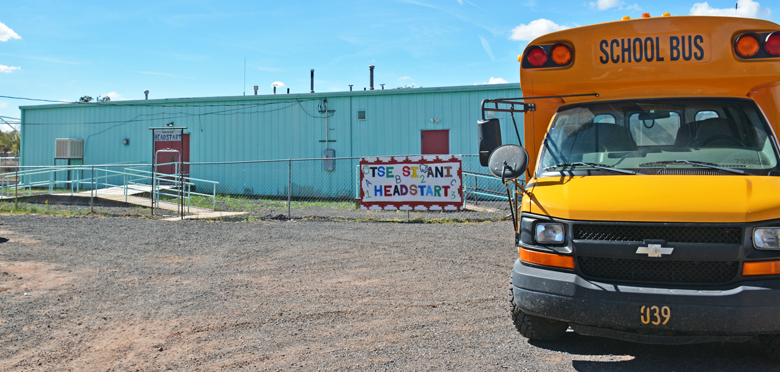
693,272
671,234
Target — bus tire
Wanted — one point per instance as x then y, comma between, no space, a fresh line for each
771,345
537,328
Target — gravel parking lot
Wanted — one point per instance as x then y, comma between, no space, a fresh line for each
126,294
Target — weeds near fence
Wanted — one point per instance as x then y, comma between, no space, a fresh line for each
226,202
24,208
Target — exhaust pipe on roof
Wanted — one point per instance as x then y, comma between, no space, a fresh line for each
371,72
257,87
146,93
312,80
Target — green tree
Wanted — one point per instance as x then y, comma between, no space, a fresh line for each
86,99
9,141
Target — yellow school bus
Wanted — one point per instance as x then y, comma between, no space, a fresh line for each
650,208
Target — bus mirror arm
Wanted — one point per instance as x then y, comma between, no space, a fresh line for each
524,107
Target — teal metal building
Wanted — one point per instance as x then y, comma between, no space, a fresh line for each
267,127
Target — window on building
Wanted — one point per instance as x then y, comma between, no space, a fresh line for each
361,114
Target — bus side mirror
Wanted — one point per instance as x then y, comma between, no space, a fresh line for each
508,161
489,139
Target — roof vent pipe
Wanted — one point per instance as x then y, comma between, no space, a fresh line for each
312,80
288,90
256,90
350,87
146,93
371,71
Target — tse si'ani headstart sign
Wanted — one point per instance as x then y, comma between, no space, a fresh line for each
411,183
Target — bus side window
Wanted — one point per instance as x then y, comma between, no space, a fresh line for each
658,132
701,115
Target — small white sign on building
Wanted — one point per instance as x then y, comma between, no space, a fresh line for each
167,135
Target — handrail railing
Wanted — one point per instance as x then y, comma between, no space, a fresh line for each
133,179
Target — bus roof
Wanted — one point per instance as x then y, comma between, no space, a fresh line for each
654,57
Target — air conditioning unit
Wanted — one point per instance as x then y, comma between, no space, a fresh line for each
69,148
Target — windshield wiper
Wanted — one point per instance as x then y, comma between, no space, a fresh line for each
593,165
694,163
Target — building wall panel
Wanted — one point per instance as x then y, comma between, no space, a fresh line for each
227,129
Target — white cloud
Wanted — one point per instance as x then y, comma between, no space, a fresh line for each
277,84
404,78
606,4
486,46
7,33
534,29
115,96
8,69
745,8
494,80
634,7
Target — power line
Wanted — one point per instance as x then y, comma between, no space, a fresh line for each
33,99
230,109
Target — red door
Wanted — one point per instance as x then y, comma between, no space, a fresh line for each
171,150
434,142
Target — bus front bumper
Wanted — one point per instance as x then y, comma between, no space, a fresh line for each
636,313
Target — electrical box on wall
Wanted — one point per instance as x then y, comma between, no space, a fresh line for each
69,148
329,164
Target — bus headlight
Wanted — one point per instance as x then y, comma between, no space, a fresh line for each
766,238
549,233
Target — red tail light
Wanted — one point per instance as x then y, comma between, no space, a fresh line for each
537,57
772,44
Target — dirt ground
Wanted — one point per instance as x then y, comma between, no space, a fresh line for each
126,294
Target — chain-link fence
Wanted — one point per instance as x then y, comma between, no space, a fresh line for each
279,189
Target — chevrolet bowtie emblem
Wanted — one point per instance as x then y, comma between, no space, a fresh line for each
654,250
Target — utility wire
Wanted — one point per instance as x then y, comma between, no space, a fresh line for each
33,99
243,109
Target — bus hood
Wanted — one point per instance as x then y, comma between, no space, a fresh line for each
650,198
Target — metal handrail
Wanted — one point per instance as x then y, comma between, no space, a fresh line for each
131,177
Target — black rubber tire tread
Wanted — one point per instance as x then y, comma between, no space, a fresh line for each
771,345
536,328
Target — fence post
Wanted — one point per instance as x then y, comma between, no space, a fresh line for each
475,189
16,189
289,188
92,193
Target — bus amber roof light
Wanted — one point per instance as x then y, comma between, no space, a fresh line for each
626,18
537,57
747,45
561,54
645,15
772,44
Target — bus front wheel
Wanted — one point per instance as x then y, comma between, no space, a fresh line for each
537,328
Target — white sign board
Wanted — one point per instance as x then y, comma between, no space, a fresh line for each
411,183
167,135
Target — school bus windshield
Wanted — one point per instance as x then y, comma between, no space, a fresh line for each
660,136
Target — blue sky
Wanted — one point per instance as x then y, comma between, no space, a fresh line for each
58,50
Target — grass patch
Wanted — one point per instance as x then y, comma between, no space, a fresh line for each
253,204
24,208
